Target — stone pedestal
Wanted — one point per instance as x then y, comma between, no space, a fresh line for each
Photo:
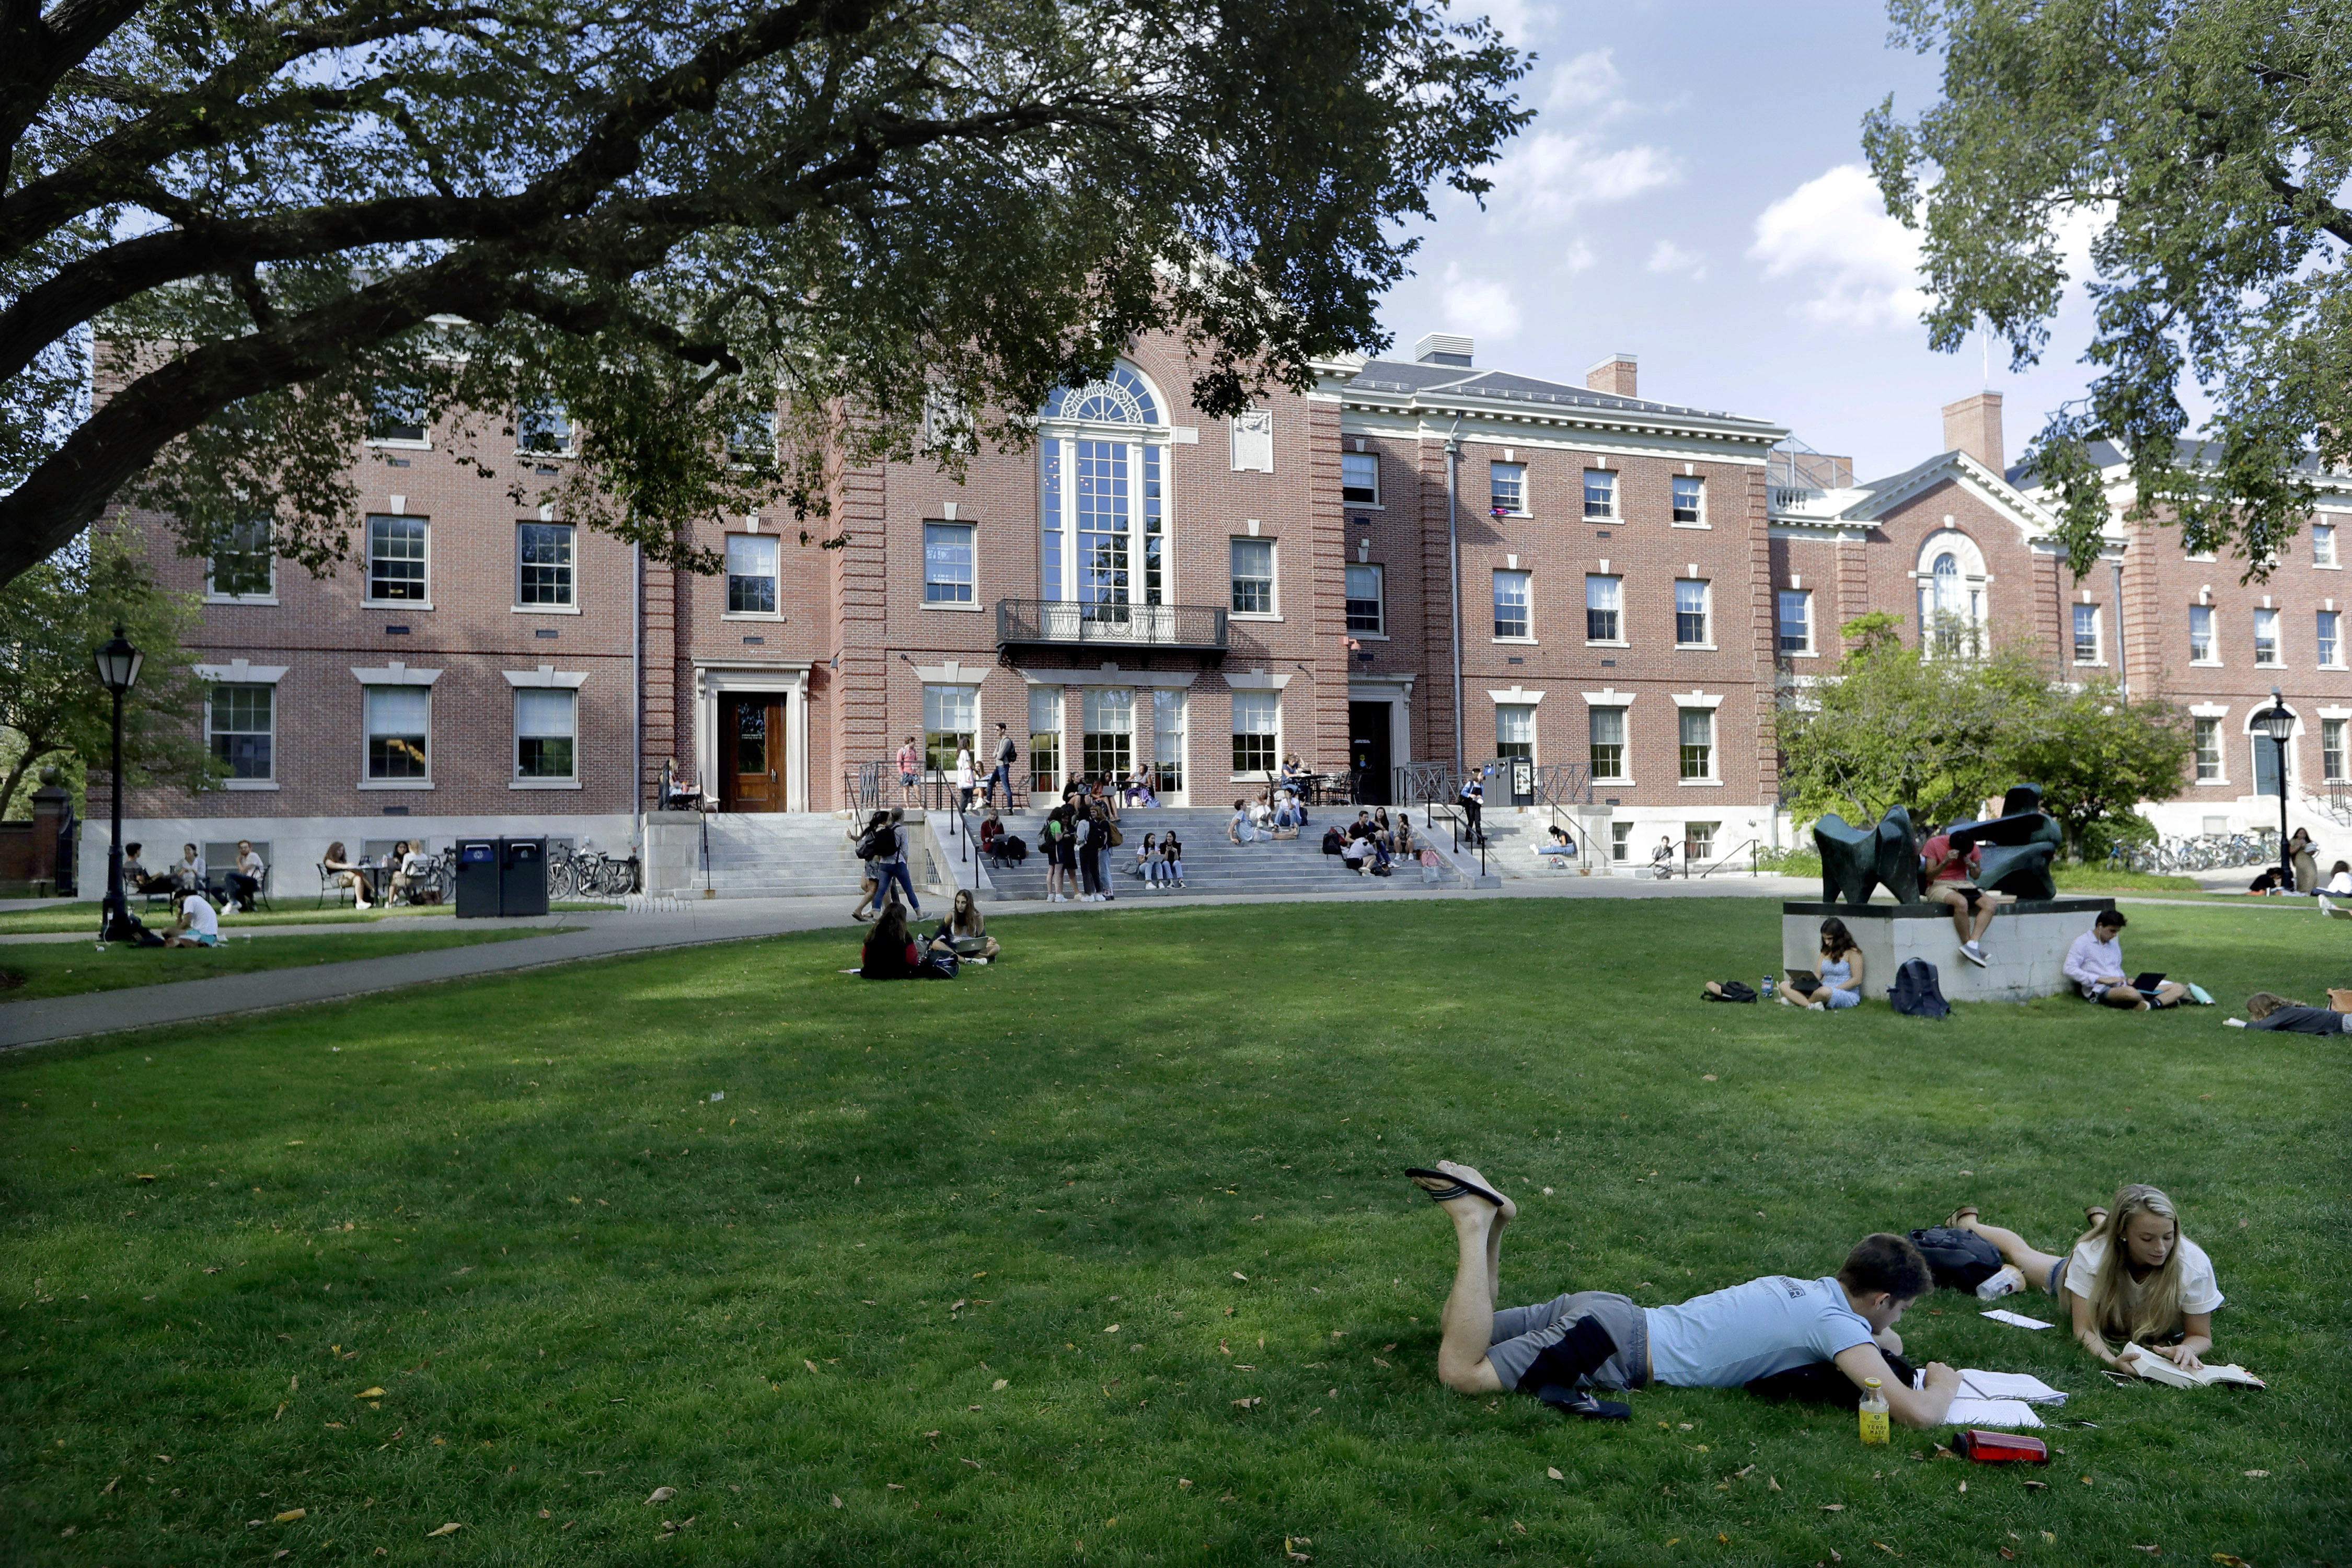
2027,942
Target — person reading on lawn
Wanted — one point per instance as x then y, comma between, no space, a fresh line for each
2132,1276
1948,878
1839,979
2269,1010
198,925
1727,1339
2095,962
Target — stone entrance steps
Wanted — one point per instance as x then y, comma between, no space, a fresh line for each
1282,867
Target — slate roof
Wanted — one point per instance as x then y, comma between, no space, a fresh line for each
1466,381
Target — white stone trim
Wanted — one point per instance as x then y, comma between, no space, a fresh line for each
546,677
953,672
790,676
1608,697
1518,696
2209,709
1244,680
1696,700
237,672
395,674
1108,675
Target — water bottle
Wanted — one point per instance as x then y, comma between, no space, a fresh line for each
1874,1413
1767,988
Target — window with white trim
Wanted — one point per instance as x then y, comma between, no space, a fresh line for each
2086,634
1796,621
1171,707
545,429
1604,607
241,722
2209,751
1257,724
547,732
1621,842
1044,739
1366,598
1607,726
1698,725
397,560
243,564
1698,839
1691,617
1359,479
1690,499
399,732
397,417
2266,636
2327,628
544,564
1600,492
1107,739
1253,573
750,575
2323,544
1507,488
1101,509
951,723
2200,634
947,564
2331,750
1515,730
1511,594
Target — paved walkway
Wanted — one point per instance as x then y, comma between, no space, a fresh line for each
599,934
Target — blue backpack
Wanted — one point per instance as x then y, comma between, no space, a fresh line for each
1914,991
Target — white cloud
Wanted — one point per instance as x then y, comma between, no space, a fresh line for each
1833,233
1546,177
1588,85
1478,308
1577,258
1517,20
1668,257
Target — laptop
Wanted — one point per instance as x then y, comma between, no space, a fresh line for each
1804,982
2148,983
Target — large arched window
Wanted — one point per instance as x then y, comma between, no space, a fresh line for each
1952,583
1102,511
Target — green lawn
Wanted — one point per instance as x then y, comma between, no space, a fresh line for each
977,1273
80,917
32,970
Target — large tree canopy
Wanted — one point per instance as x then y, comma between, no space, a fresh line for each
274,224
2211,142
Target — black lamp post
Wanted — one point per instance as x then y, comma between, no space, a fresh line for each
2278,724
117,670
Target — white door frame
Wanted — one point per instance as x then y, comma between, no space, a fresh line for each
790,677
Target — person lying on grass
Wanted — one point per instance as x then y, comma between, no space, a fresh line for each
1727,1339
2268,1010
2162,1294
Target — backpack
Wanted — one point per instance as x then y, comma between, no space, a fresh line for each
1733,991
1959,1259
1007,753
1332,842
1915,992
880,840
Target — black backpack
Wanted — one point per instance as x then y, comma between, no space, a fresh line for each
1914,991
880,840
1959,1259
1732,991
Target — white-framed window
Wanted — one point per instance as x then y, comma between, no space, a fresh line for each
1697,726
951,723
241,722
2200,635
1253,441
1102,510
1604,608
1796,621
1045,740
397,560
545,429
2323,544
1511,595
396,417
2331,750
752,438
1367,598
1253,575
1690,499
2327,628
2266,636
1691,622
399,723
1515,730
543,565
547,732
1108,744
243,564
751,574
2086,634
1600,492
2209,751
1607,728
1171,707
1507,488
948,564
1621,842
1359,479
1258,729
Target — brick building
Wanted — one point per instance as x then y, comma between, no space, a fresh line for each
1152,587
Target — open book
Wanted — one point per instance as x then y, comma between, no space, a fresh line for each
2156,1369
1999,1399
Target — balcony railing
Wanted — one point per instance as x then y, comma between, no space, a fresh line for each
1063,622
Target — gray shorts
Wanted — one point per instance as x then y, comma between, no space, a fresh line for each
1522,1333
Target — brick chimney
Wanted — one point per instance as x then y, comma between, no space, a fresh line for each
1973,426
1613,375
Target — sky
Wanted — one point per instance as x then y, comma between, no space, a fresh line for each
1693,191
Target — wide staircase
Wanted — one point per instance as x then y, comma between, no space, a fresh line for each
1285,868
1511,839
792,854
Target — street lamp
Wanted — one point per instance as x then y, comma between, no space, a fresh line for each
2278,724
117,670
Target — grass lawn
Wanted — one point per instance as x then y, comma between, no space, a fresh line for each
83,917
30,970
983,1272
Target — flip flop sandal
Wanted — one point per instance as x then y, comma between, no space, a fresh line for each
1953,1223
1456,1188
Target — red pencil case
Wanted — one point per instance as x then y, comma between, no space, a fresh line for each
2001,1448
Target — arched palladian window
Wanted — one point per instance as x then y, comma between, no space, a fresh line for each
1952,583
1103,510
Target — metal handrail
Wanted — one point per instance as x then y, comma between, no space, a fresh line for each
1705,872
1455,824
1064,621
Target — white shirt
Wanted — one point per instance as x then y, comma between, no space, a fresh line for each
249,865
202,921
963,770
2341,883
2199,1291
2091,964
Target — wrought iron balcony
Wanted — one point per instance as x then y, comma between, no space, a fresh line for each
1066,622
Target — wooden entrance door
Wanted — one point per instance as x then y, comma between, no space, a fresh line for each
751,751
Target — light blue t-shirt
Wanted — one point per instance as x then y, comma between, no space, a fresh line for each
1728,1338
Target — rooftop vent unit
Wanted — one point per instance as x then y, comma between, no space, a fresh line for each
1443,348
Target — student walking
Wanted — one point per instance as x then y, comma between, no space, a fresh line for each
1000,776
911,766
1474,806
889,862
963,778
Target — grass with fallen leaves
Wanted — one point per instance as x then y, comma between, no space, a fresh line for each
1101,1255
30,970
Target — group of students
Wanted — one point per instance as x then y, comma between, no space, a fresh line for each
2131,1278
1367,845
892,950
190,874
1077,837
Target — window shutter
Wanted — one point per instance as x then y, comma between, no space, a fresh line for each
1253,442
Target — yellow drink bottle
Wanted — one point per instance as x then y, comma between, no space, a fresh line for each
1873,1412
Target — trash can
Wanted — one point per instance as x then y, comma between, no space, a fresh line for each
523,876
477,877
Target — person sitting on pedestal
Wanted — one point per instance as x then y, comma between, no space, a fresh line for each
2095,962
1949,879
